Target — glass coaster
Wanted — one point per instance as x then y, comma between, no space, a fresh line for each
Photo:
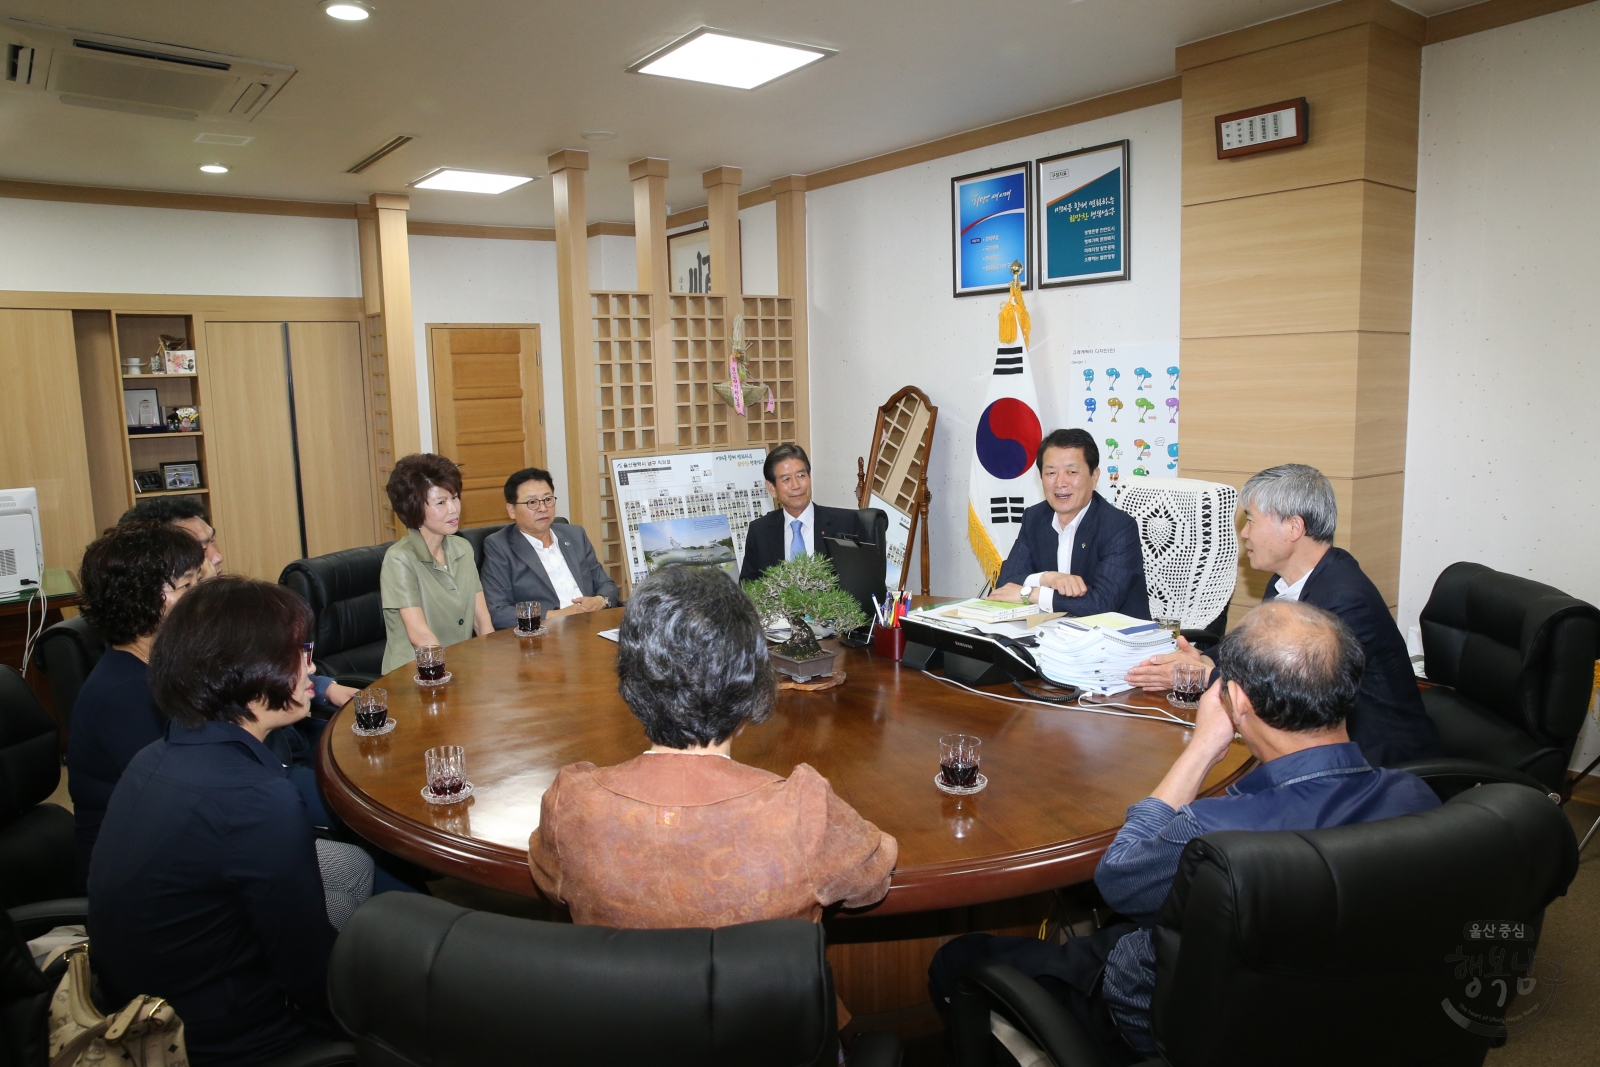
433,798
1181,704
420,680
958,791
540,632
387,727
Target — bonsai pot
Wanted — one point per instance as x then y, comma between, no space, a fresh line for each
803,670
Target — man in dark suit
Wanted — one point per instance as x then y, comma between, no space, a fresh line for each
797,526
1076,552
1290,517
534,560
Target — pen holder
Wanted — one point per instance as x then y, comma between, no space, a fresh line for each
889,642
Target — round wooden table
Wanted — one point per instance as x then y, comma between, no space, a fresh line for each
1060,779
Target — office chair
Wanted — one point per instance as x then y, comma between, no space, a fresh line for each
1518,659
347,607
418,981
475,536
66,653
36,857
1191,550
1318,947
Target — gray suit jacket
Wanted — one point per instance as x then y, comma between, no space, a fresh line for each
512,572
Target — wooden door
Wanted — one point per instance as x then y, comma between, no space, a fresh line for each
335,448
488,409
249,447
41,436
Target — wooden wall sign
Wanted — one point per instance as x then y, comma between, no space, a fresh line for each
1262,129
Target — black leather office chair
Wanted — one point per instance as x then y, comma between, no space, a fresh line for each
66,653
475,537
343,591
36,859
1519,657
25,991
1320,946
418,981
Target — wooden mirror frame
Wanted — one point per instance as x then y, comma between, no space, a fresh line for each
900,412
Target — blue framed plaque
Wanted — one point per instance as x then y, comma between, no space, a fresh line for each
1083,216
991,228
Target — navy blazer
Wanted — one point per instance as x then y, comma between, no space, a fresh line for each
205,889
1389,721
765,538
1107,557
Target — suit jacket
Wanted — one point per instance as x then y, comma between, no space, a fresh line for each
1389,721
1107,557
512,572
766,537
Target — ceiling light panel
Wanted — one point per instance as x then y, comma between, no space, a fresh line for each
720,58
470,181
346,10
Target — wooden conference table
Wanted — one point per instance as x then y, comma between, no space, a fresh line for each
1059,779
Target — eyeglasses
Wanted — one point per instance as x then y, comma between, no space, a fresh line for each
538,503
305,650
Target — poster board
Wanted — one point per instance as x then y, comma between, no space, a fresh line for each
990,229
687,485
897,542
1127,397
1083,216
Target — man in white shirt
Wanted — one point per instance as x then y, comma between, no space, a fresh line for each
798,526
1075,552
536,558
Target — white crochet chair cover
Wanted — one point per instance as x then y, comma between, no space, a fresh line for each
1191,548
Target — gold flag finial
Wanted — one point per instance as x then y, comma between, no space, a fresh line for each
1014,313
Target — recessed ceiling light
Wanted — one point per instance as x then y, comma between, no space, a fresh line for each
598,135
708,55
213,168
470,181
346,10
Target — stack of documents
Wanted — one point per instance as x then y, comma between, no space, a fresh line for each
994,610
1095,653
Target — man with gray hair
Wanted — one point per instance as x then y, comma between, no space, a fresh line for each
1290,515
1287,682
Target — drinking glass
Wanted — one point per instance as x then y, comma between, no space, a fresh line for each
959,757
372,711
1169,624
530,614
430,665
447,770
1188,682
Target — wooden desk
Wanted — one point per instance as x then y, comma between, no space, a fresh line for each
1059,779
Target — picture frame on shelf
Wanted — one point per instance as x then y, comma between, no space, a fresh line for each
991,226
180,476
1083,217
180,361
147,481
143,407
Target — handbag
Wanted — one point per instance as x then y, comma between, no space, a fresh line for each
145,1033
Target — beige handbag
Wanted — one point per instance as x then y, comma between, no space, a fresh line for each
145,1033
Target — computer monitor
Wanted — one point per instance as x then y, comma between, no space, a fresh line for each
21,547
860,567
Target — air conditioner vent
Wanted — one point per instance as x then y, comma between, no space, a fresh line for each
142,77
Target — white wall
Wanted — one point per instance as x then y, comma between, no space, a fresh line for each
464,280
100,248
1502,433
758,249
613,264
882,316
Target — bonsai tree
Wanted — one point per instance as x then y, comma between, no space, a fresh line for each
801,588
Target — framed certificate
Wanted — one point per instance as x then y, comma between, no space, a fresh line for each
1083,216
990,229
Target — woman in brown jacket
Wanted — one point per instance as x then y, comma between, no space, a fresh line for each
683,836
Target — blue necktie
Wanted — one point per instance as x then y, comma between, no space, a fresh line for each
797,547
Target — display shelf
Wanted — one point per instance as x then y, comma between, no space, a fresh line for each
181,374
172,492
165,435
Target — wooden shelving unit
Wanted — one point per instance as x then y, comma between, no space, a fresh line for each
138,335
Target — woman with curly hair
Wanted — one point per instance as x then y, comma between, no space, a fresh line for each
131,576
430,589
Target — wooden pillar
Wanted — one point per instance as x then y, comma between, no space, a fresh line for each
789,193
567,171
1296,276
394,412
649,177
722,215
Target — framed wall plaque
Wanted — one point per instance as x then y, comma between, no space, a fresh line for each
1083,216
990,229
1263,129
